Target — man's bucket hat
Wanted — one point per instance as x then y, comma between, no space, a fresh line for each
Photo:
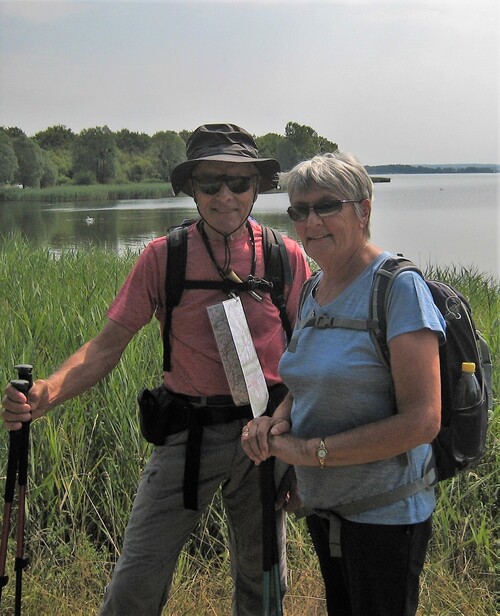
225,143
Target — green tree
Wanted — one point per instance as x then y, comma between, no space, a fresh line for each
185,134
306,141
304,138
30,160
136,167
50,172
326,146
57,141
14,131
268,144
94,152
8,159
136,162
63,160
131,142
168,150
55,137
287,155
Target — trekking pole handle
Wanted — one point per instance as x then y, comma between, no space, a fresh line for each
21,385
25,373
24,382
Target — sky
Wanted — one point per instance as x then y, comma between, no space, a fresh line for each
391,81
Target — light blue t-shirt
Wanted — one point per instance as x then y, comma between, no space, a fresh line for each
338,382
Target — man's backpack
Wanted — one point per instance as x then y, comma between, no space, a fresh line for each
278,274
462,437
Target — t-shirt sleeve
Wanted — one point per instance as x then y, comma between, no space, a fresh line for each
411,308
139,297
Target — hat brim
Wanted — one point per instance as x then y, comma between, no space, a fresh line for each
267,167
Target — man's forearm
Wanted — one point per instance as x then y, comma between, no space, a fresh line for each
87,366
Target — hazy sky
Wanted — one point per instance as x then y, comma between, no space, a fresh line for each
401,81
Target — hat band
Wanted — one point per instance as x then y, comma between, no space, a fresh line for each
234,150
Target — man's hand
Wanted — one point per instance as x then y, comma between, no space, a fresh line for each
256,433
19,408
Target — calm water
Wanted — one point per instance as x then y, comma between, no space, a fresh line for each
433,219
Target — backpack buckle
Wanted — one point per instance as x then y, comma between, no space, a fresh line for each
324,321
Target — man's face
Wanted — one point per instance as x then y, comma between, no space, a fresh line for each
224,194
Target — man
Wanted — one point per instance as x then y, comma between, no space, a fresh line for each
224,175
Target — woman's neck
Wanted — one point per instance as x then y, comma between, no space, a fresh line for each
337,278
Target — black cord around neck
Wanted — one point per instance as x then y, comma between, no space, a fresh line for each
224,270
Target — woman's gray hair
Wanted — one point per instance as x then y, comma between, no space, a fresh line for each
338,172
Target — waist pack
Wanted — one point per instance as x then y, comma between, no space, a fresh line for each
161,413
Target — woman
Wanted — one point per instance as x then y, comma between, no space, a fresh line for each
338,425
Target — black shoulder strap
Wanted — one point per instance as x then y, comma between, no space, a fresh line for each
304,292
278,272
276,257
174,283
382,283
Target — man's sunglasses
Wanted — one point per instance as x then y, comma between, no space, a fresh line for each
211,185
300,213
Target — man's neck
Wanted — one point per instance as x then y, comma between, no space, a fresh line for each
216,236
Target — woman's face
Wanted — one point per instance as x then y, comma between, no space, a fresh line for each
335,237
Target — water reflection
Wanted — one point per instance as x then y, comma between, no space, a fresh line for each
119,225
443,220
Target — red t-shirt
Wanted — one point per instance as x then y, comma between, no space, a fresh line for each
196,364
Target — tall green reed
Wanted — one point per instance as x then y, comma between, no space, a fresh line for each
87,454
94,192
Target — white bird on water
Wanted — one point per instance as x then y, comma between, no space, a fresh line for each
89,220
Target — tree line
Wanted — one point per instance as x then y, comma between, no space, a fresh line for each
98,155
422,169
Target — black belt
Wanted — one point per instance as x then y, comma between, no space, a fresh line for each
217,412
211,400
198,419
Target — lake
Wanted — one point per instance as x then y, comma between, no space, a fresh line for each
442,219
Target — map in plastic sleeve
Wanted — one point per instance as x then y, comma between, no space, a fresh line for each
239,358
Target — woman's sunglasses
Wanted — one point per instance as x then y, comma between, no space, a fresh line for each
300,213
212,185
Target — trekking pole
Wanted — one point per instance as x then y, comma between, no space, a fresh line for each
17,465
270,552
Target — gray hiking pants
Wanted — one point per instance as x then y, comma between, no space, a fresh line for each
159,526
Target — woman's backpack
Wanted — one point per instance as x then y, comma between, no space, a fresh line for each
462,438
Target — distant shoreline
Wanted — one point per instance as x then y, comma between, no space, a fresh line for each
430,169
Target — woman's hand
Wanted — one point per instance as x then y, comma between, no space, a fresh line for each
255,436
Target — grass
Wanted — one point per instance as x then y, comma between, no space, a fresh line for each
87,455
94,192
